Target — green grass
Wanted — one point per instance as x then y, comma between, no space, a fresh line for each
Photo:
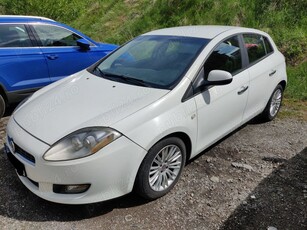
293,108
117,21
297,82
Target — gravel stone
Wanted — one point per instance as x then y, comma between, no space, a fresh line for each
215,179
241,165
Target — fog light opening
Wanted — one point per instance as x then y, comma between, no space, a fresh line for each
70,189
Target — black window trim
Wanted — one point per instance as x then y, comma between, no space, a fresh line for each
32,36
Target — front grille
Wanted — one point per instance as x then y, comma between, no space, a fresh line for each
24,154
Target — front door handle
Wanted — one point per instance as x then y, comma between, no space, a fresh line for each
242,90
52,56
272,73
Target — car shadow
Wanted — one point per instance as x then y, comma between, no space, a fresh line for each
17,202
255,121
204,152
279,201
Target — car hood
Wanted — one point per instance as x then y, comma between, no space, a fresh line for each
82,100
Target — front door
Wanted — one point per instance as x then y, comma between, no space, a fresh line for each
220,108
62,54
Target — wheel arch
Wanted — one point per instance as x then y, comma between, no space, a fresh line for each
283,84
179,134
3,94
186,140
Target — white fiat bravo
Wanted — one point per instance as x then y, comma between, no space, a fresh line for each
132,120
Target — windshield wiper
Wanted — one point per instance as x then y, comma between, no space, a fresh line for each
125,78
101,73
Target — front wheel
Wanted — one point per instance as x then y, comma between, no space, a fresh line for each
272,108
2,106
161,168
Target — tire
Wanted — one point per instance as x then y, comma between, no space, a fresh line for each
2,106
273,106
163,173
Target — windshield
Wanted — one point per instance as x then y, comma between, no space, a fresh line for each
154,61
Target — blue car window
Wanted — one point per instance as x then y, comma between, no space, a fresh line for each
56,36
13,35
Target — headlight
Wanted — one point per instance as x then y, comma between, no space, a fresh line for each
81,143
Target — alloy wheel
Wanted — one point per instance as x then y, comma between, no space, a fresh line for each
165,168
275,102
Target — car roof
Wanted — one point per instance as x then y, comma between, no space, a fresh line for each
21,18
208,32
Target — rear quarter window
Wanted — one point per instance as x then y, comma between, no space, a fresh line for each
268,46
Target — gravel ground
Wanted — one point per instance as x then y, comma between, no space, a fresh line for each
255,178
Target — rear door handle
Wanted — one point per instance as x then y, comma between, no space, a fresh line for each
242,90
272,73
52,56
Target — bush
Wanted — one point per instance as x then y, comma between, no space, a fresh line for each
117,21
62,10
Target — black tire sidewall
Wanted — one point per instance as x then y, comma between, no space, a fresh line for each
266,115
142,186
2,106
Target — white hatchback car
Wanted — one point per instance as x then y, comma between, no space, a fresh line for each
132,120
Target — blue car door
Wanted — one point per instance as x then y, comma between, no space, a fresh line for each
59,45
22,64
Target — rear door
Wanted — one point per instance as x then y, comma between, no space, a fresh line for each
59,46
261,69
22,64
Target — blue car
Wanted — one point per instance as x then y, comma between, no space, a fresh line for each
36,51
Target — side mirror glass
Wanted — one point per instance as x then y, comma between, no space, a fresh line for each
83,44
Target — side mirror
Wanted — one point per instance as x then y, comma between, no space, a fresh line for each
83,44
219,77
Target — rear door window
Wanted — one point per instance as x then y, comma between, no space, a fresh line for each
13,35
257,46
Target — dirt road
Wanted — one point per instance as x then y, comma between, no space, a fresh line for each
254,179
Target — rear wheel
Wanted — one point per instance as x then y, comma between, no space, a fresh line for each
161,168
272,108
2,106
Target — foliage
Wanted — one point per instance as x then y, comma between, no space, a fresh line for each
63,10
117,21
297,82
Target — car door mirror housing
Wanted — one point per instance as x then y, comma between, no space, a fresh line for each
219,77
83,44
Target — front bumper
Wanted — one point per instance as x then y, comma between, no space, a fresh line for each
110,172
